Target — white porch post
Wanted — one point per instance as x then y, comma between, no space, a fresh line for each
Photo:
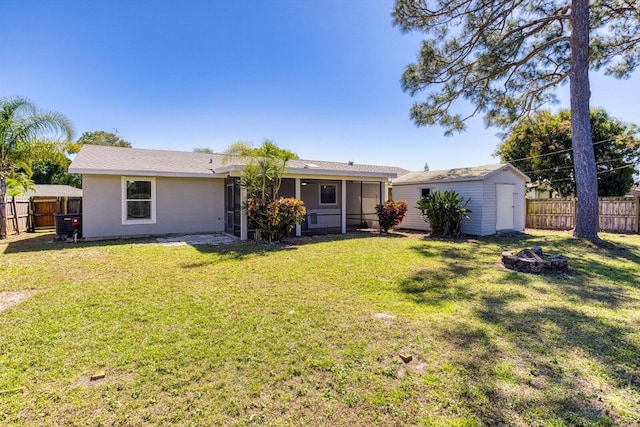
343,211
243,214
386,192
298,195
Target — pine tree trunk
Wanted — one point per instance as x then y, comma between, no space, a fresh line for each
584,161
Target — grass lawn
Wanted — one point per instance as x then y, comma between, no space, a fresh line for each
310,333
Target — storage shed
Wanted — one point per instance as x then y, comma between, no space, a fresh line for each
497,194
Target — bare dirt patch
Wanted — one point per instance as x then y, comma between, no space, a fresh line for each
111,376
8,299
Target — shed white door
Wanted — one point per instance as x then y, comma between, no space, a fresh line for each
504,201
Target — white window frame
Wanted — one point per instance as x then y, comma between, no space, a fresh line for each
425,188
320,194
125,220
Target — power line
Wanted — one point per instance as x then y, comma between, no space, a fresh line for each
558,151
567,167
618,168
599,173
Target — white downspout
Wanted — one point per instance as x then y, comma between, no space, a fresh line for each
343,211
243,214
298,195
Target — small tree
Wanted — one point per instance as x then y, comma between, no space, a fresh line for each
444,212
272,217
390,214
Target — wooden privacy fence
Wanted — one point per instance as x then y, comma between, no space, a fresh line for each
18,216
38,212
617,214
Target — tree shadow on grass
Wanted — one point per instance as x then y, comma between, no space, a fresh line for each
235,252
520,361
588,292
561,330
434,288
39,242
555,352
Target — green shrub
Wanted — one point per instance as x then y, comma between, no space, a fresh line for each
391,213
274,220
444,212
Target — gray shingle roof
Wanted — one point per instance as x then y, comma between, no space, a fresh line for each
457,174
54,190
105,160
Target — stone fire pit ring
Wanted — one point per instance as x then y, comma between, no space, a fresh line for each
535,261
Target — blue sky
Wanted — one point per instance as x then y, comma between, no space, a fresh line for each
318,77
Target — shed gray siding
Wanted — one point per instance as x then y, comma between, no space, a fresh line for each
183,205
467,189
490,202
483,204
412,219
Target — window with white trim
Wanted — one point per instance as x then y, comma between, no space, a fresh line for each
425,193
138,200
328,194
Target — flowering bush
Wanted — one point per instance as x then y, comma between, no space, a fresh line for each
391,213
275,220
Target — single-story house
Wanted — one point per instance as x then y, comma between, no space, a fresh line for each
496,193
540,190
134,192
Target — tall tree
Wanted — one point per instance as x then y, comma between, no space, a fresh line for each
206,150
20,125
504,57
541,146
47,160
99,137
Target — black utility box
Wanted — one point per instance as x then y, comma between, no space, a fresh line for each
69,225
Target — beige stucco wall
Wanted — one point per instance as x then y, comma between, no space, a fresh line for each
183,205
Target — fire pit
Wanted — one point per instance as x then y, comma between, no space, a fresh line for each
534,261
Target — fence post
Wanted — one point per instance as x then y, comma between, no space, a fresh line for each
30,217
16,222
637,214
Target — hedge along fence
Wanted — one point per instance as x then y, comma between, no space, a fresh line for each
617,214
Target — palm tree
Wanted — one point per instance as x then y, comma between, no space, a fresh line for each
261,178
20,125
263,173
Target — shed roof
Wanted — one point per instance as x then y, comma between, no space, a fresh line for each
458,174
54,190
106,160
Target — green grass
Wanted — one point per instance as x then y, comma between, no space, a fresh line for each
288,335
